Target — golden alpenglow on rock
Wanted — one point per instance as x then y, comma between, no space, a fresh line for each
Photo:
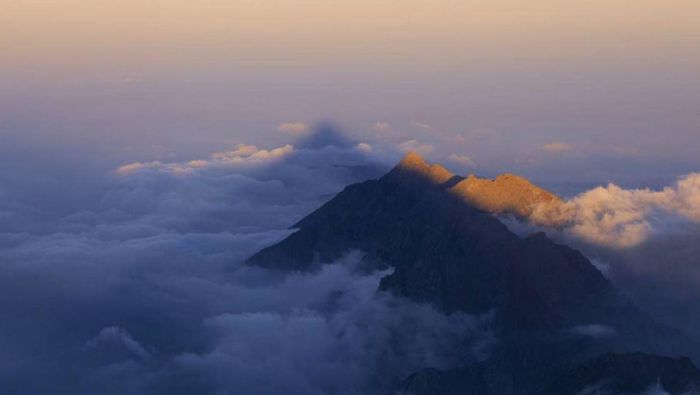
506,194
435,173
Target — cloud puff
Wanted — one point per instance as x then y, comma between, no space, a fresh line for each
364,147
557,147
622,218
462,160
416,146
422,125
294,128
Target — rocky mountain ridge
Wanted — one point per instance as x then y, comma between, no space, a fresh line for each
506,194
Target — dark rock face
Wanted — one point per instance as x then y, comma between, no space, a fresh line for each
547,297
630,373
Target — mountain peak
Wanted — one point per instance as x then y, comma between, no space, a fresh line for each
413,164
412,159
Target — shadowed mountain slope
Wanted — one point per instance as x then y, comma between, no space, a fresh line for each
608,374
437,231
631,373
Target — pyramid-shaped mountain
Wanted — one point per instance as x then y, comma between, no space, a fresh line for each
439,234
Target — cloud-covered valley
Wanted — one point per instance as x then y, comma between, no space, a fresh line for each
146,292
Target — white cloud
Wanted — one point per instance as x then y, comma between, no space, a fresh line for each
557,147
197,164
173,168
622,218
685,197
462,160
242,155
422,125
134,167
294,128
250,154
417,146
364,147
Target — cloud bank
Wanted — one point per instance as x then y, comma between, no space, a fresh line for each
145,292
622,218
242,155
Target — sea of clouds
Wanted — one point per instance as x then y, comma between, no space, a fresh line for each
146,291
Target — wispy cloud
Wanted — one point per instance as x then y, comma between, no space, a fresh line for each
383,128
462,160
557,147
417,146
294,128
242,155
422,125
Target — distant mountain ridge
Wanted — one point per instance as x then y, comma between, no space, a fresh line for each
438,232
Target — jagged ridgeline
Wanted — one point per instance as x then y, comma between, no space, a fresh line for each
555,314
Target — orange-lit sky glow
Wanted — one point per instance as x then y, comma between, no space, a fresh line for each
144,79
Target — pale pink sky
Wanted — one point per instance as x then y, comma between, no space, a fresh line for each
497,81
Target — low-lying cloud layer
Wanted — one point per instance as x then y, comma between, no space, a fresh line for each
146,293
